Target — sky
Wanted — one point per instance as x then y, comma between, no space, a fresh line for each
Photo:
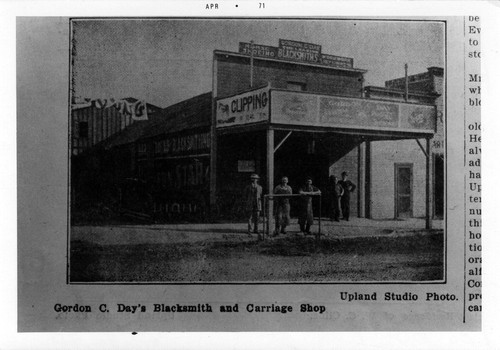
165,61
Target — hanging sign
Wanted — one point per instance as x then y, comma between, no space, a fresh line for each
246,108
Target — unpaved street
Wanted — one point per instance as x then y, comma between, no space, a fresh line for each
223,253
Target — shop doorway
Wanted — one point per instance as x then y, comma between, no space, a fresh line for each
403,173
438,186
300,156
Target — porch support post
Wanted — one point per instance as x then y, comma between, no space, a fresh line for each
270,177
213,144
368,180
428,203
213,166
361,180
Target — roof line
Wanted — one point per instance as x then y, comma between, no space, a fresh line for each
356,70
186,100
398,91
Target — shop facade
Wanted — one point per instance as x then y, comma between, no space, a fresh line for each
309,117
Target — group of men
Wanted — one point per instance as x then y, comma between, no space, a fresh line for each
338,194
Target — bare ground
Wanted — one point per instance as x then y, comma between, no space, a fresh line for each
415,257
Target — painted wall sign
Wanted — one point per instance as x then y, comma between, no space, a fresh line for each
357,112
259,50
328,111
417,117
295,108
183,144
291,50
299,45
137,110
337,61
182,174
246,166
180,188
246,108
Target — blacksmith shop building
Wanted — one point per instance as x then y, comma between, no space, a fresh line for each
292,110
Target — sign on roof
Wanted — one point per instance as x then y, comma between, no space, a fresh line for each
297,51
299,45
259,50
337,61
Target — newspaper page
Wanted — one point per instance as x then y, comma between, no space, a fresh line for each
249,167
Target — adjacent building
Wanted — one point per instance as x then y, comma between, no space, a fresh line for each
399,168
93,121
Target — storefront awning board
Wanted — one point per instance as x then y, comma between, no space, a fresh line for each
302,111
366,134
244,128
307,109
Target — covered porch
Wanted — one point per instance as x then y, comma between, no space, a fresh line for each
299,134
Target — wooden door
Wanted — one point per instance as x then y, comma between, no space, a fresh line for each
403,190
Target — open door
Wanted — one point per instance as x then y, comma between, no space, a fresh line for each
438,186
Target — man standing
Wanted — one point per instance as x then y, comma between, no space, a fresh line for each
348,187
306,217
253,198
335,192
282,209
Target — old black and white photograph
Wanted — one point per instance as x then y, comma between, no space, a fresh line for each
256,150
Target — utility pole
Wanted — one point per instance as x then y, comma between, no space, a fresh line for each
251,63
406,82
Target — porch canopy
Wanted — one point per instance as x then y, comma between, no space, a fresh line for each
357,119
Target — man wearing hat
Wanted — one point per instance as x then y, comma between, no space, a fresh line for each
253,200
306,216
334,196
345,202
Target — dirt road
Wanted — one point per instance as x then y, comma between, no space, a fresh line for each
362,251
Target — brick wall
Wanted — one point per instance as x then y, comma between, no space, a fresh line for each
233,76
